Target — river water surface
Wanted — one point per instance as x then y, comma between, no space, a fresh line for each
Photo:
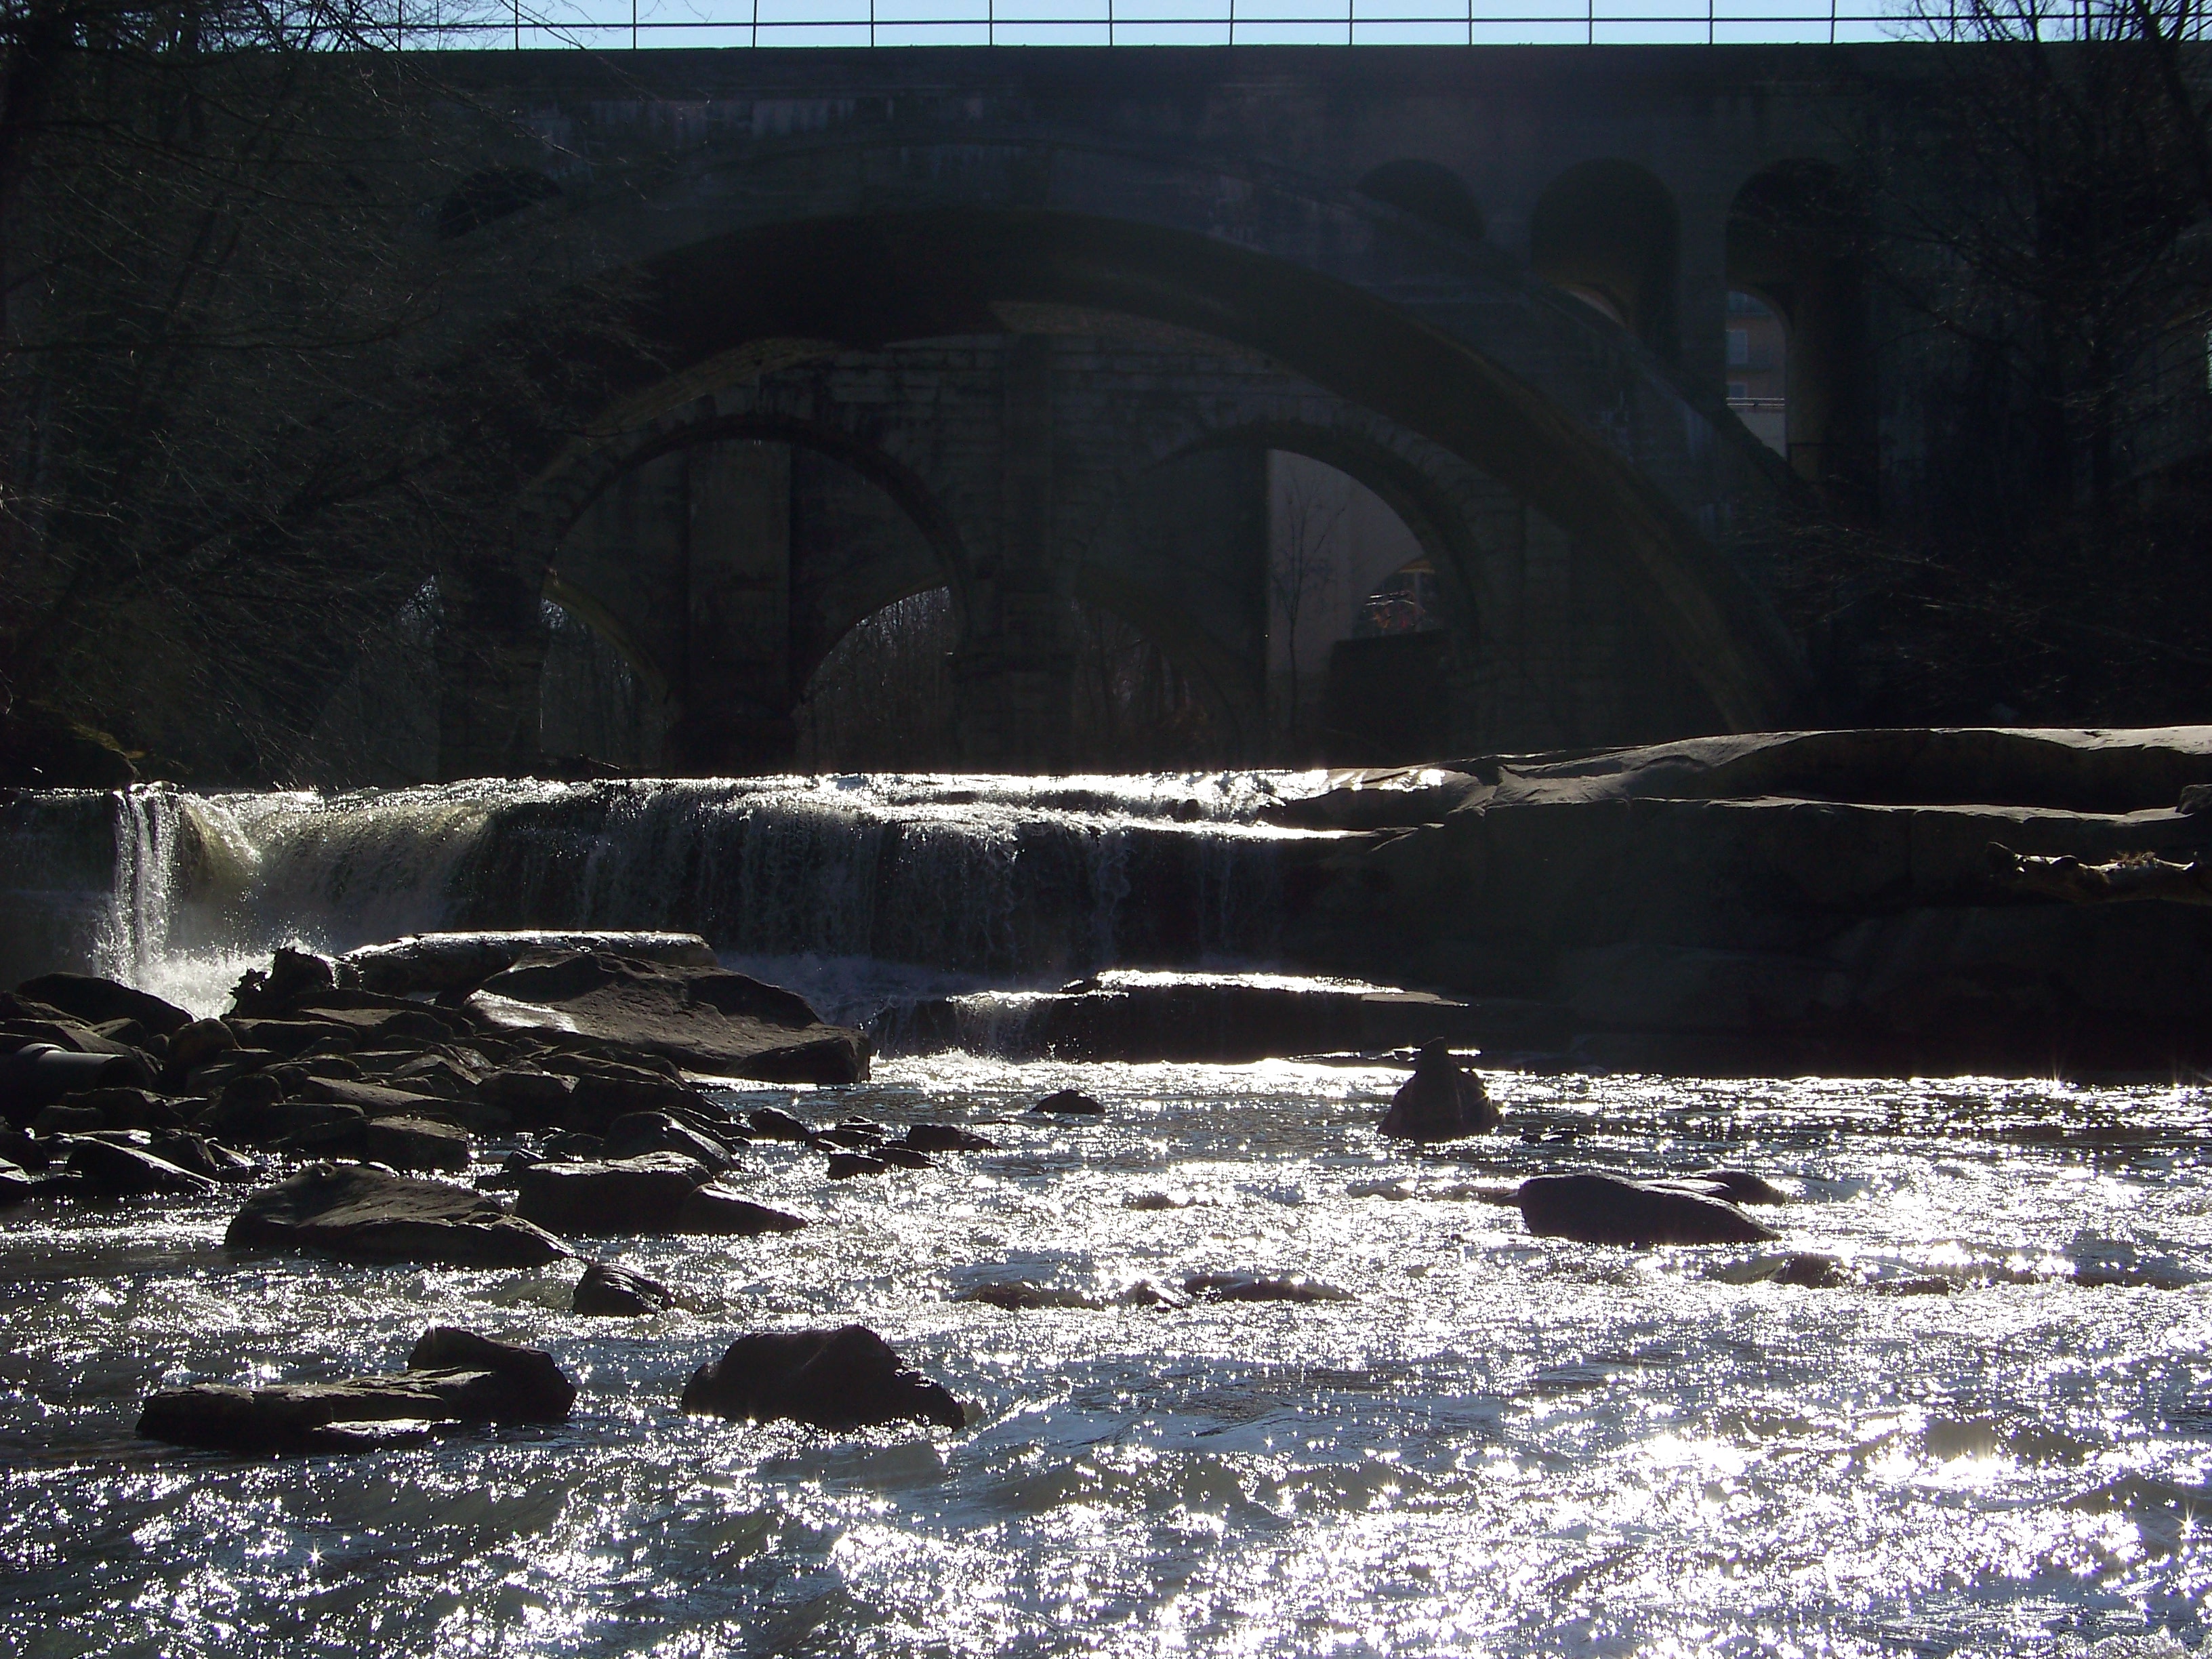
1991,1434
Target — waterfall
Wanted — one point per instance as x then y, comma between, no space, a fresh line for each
973,880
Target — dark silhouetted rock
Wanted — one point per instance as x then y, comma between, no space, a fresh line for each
536,1099
442,963
194,1045
852,1140
844,1166
1737,1187
618,1293
1606,1209
95,1001
706,1018
414,1143
69,1117
658,1193
769,1124
1017,1297
371,1215
134,1109
1255,1287
634,1133
904,1157
452,1376
946,1138
110,1170
848,1378
1441,1101
291,974
15,1183
1072,1101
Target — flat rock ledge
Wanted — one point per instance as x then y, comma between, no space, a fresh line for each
843,1379
363,1214
452,1378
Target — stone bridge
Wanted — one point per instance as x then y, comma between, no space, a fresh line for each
1027,325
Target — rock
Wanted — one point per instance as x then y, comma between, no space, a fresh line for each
95,1001
946,1138
1737,1187
904,1157
109,1170
1070,1102
414,1143
1441,1101
574,1146
1017,1297
856,1140
636,1132
706,1018
453,1376
1254,1287
311,1128
537,1098
441,963
1606,1209
15,1183
291,974
68,1118
769,1124
618,1293
841,1379
370,1215
133,1108
843,1166
201,1156
289,1038
40,1074
194,1045
658,1193
1146,1294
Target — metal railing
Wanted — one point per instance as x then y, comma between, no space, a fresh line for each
630,24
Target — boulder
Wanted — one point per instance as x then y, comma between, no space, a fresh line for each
96,1001
1072,1101
946,1138
451,1377
441,963
15,1183
371,1215
656,1193
904,1157
769,1124
201,1156
108,1170
133,1108
1606,1209
1016,1297
291,974
618,1293
195,1044
1736,1186
414,1143
841,1379
68,1117
705,1018
637,1133
1441,1101
536,1099
844,1166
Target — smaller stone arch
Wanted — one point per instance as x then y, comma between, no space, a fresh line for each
1606,231
1793,235
1429,191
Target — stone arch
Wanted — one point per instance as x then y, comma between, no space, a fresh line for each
1606,231
1792,231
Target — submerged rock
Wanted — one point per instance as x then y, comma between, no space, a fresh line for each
946,1138
618,1293
1070,1102
1606,1209
364,1215
1255,1287
451,1377
703,1017
846,1378
1017,1298
1441,1101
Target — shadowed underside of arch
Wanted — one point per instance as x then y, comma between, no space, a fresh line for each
858,248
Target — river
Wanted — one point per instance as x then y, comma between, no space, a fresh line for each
1993,1435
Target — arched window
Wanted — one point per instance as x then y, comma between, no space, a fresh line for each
1606,232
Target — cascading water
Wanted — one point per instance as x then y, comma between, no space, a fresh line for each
1014,881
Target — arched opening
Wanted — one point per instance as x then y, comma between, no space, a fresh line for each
882,699
1429,191
1758,359
1791,241
1606,233
1343,690
594,709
